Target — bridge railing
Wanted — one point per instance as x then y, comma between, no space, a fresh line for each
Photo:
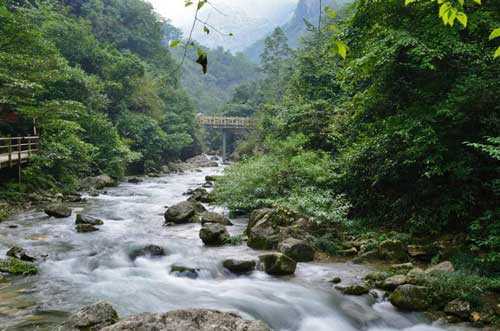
15,150
222,122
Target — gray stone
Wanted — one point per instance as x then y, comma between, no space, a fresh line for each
199,195
213,234
393,282
202,161
135,180
91,318
423,252
348,252
402,268
377,276
211,217
85,219
239,266
366,256
98,182
58,211
263,234
85,228
183,212
278,264
299,250
335,280
410,297
148,250
188,320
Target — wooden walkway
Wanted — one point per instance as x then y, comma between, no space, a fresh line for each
17,150
222,122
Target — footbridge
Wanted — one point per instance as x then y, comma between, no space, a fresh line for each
226,124
14,151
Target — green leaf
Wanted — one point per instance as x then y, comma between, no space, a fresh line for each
188,3
201,3
462,18
497,53
174,43
330,12
206,30
341,48
409,2
495,34
477,1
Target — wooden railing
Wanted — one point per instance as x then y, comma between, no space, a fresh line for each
17,150
222,122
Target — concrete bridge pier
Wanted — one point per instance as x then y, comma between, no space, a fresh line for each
224,145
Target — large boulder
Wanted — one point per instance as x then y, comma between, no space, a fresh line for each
98,182
91,318
213,234
299,250
263,234
188,320
410,297
256,216
278,264
85,219
239,266
148,250
211,217
183,212
202,161
392,250
58,211
20,253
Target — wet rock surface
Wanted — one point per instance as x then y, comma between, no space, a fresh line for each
91,318
188,320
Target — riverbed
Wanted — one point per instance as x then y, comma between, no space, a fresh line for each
82,268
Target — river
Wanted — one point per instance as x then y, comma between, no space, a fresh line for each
84,268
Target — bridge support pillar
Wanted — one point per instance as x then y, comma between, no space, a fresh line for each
224,145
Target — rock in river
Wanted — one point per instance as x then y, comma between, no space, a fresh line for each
183,212
299,250
85,219
188,320
278,264
443,267
213,234
91,318
85,228
149,250
20,253
410,297
458,308
239,266
354,289
211,217
58,211
199,195
182,271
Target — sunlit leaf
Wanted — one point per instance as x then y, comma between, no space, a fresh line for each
462,18
497,53
341,48
495,34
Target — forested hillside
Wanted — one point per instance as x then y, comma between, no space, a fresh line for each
402,135
96,81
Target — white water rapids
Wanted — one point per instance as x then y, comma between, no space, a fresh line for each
84,268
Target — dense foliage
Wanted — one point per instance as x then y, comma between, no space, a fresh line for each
405,122
105,94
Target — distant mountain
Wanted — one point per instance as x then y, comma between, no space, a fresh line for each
247,21
295,28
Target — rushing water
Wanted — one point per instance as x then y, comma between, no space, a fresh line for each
84,268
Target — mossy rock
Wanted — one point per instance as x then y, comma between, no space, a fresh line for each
17,267
411,297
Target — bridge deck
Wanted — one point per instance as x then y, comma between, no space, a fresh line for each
17,150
